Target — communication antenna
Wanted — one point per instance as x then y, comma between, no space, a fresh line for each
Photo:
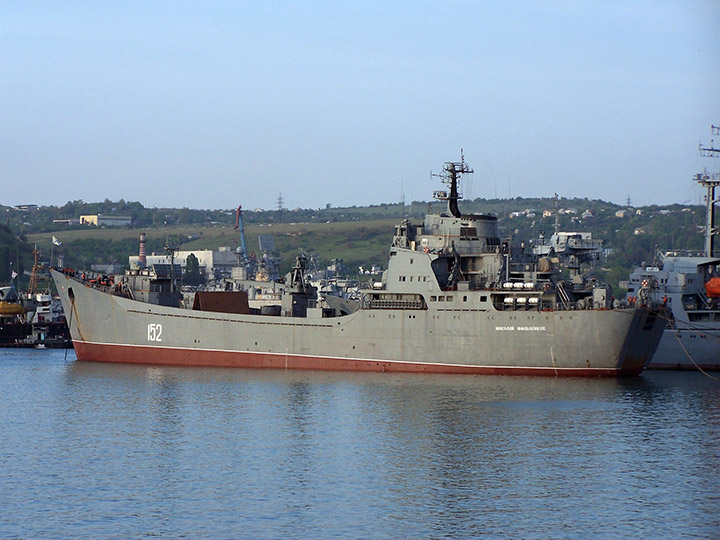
280,206
710,151
452,171
710,182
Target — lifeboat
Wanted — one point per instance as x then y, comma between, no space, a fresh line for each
8,309
712,287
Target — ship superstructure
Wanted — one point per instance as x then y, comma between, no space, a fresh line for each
689,283
678,279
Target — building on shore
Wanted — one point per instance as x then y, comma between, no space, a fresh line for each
213,264
105,220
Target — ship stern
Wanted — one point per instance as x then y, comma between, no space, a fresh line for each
643,338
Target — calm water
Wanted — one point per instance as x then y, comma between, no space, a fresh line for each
110,451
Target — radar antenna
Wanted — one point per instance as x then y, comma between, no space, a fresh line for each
710,151
452,171
710,182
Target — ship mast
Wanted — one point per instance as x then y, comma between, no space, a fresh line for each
171,248
450,176
710,182
33,286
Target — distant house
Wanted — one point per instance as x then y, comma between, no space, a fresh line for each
71,221
547,213
587,214
622,213
103,220
640,230
26,207
664,212
515,214
639,212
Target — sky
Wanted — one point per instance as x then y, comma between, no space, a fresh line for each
218,104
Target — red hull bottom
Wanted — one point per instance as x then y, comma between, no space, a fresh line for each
168,356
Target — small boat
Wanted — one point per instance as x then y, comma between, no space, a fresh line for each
712,287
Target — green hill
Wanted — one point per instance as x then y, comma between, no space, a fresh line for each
16,255
358,235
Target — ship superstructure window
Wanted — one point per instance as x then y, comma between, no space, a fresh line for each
433,298
441,298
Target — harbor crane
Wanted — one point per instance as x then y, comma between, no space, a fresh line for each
242,249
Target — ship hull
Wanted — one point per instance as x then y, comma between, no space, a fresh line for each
558,343
686,349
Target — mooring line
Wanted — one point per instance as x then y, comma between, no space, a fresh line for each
692,359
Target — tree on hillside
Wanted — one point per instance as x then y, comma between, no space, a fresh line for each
192,271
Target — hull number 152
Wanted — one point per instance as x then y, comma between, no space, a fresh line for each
154,332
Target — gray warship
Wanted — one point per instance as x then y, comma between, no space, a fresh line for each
455,298
689,283
679,278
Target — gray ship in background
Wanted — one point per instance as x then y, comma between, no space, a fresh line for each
574,251
689,283
455,298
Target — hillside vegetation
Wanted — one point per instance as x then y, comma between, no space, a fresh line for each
358,235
